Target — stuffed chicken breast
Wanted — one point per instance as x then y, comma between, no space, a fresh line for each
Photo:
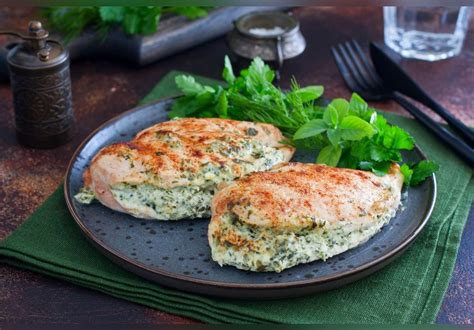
297,213
171,170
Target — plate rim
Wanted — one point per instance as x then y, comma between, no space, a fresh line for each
139,268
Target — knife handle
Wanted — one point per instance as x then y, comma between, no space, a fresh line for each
456,144
4,75
381,55
421,96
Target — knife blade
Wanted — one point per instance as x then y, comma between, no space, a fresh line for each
398,80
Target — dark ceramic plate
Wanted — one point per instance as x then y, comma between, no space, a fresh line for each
176,254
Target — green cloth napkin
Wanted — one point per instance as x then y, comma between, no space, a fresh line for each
409,290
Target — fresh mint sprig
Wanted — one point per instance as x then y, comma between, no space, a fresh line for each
346,133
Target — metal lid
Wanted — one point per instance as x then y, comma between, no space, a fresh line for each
37,52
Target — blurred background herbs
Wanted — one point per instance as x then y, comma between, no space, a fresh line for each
72,21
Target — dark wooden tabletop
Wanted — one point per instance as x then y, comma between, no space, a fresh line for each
103,89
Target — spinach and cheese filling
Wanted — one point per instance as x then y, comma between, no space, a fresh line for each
156,203
250,247
193,201
170,171
298,213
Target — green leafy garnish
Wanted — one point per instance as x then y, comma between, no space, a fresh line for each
346,133
419,172
143,20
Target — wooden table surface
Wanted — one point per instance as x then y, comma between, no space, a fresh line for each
103,89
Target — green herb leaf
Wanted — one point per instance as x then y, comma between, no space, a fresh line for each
382,168
131,23
380,153
378,168
396,138
407,173
342,107
422,170
311,128
222,104
329,155
309,93
143,20
353,128
334,136
189,86
357,106
347,134
111,14
191,12
330,116
259,73
228,72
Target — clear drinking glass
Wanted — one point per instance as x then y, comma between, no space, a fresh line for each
426,33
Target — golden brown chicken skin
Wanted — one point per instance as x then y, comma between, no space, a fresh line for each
171,170
297,213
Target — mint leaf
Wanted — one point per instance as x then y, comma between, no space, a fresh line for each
329,155
330,116
357,106
309,93
334,136
353,128
407,173
228,72
342,107
311,128
422,170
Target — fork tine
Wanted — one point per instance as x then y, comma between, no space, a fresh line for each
367,64
345,72
352,66
359,67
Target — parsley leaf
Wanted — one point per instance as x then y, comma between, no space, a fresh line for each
422,170
407,173
228,73
189,86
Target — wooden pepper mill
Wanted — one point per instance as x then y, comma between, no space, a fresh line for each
41,85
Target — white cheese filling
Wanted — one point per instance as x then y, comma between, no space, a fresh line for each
147,201
266,249
192,200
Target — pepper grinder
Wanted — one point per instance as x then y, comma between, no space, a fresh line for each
41,85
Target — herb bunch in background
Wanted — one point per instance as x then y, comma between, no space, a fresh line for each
346,133
72,21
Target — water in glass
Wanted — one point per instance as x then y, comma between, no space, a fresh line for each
430,34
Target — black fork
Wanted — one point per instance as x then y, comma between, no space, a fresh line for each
361,77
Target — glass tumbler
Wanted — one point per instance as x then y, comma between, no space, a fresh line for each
426,33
